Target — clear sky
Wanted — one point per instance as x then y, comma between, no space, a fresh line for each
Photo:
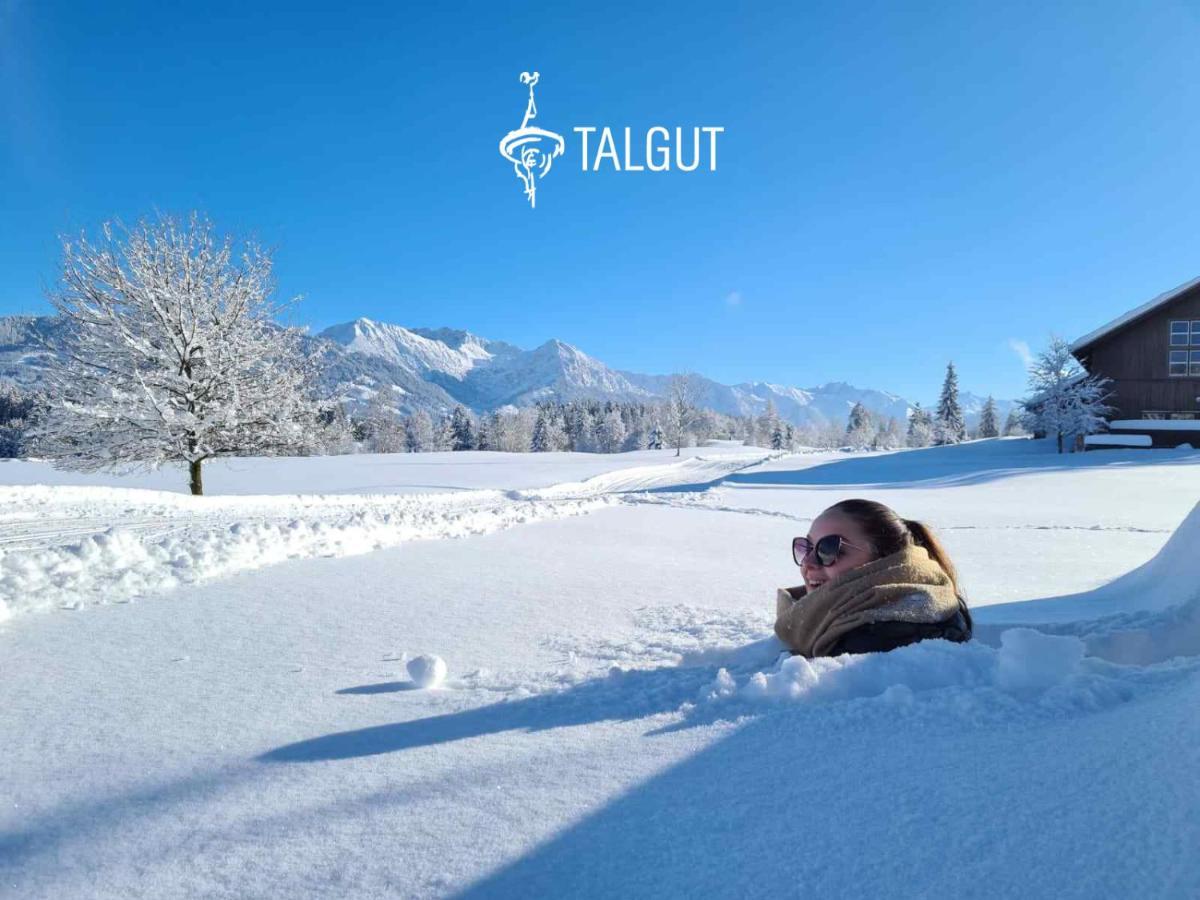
898,184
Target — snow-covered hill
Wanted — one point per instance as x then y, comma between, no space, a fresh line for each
437,369
210,696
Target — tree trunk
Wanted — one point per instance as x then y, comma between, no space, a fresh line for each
1060,446
197,483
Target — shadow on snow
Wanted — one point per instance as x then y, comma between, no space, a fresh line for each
621,696
976,462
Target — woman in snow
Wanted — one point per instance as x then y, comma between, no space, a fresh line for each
872,582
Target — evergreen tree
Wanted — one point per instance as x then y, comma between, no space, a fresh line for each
487,432
576,427
989,425
540,440
16,409
778,435
656,438
461,430
611,432
555,435
949,427
768,424
1012,425
920,427
860,429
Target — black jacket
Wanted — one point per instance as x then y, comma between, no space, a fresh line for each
879,637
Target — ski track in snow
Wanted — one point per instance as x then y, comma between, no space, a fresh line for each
69,547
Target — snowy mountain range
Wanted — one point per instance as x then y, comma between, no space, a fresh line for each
437,369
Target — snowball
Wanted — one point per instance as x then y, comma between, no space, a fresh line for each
427,671
1030,662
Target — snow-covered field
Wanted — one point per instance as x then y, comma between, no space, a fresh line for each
209,696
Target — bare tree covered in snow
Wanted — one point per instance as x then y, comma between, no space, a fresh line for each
172,354
384,431
683,398
418,432
1064,399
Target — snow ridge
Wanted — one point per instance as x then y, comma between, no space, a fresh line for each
167,540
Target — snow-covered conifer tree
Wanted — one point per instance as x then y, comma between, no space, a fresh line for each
556,432
949,426
337,431
656,437
989,420
920,427
1012,425
860,428
778,435
16,410
612,432
577,427
768,424
1064,399
461,430
486,432
539,442
171,353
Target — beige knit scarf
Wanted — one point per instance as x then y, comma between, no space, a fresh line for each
907,586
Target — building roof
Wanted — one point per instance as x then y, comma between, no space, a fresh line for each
1133,315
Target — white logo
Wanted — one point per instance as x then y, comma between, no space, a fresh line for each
531,150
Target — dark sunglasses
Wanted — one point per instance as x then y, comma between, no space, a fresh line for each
825,551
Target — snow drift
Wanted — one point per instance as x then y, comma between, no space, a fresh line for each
1146,616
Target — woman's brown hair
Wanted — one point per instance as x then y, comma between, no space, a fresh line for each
888,533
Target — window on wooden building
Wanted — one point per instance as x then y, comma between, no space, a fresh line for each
1179,333
1195,373
1178,362
1196,332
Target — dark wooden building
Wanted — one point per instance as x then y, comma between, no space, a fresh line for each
1152,355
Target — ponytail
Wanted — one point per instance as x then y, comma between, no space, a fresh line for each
887,533
923,536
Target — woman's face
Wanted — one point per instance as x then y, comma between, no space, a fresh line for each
833,522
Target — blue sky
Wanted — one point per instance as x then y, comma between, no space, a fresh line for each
898,184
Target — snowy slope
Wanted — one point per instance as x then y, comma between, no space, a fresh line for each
447,352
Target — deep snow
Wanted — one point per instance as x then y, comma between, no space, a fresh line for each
616,719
